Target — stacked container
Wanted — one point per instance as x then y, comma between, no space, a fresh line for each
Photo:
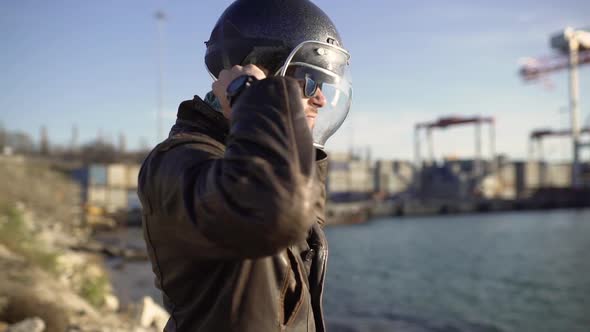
558,175
110,188
133,202
349,179
117,187
392,177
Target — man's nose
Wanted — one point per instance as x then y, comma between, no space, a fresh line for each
318,100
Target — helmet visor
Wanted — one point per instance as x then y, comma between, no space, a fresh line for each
323,68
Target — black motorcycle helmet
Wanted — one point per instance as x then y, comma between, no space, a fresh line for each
288,38
264,32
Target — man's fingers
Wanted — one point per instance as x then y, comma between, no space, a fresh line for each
237,69
226,76
254,71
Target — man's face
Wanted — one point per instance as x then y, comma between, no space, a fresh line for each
312,106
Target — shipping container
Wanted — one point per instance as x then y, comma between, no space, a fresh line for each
117,176
393,177
133,202
507,174
585,174
80,175
384,166
338,181
404,170
339,156
347,174
348,197
361,176
558,175
383,175
338,166
441,182
533,175
97,175
96,196
132,175
116,200
506,177
528,177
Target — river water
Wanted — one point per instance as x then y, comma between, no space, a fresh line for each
525,271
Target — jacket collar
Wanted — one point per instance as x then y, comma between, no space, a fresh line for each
199,116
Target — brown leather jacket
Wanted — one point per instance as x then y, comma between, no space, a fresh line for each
232,215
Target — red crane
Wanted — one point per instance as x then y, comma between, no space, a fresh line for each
449,121
534,69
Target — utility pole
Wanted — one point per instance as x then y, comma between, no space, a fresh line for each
160,19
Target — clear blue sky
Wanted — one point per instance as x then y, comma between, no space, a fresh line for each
94,64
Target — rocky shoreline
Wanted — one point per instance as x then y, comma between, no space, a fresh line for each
54,277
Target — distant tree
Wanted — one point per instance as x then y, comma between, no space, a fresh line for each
138,156
20,142
99,152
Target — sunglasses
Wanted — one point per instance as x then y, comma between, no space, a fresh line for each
309,85
307,80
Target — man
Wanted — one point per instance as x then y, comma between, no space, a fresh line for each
233,199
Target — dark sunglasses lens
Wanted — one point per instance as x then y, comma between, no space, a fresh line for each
310,87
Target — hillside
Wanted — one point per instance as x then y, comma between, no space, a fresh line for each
40,223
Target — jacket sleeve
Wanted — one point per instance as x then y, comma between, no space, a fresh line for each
259,197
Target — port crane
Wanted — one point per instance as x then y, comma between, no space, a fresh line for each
534,69
450,121
573,46
536,138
